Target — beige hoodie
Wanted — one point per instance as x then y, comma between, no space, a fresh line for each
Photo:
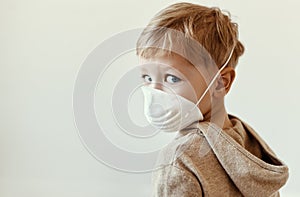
204,160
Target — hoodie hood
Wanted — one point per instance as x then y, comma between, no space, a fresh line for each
256,171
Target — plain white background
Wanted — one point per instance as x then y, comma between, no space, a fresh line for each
42,46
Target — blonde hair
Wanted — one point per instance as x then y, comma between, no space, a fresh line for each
194,31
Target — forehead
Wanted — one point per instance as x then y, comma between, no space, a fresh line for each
167,62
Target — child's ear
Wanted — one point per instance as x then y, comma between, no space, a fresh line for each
224,82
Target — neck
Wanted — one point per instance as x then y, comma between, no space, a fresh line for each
218,116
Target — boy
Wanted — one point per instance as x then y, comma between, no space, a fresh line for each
189,54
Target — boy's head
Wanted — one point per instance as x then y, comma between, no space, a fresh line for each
193,40
208,26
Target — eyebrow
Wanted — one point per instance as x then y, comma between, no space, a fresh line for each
143,69
165,68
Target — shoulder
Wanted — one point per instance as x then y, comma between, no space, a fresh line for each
186,143
173,181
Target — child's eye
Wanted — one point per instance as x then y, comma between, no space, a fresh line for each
147,78
172,79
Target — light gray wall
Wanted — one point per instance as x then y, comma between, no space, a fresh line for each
42,45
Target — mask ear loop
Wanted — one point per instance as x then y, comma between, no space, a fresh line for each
212,81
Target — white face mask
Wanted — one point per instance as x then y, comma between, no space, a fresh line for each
166,111
172,112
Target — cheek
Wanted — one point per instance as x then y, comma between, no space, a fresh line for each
191,90
205,104
187,92
198,86
195,90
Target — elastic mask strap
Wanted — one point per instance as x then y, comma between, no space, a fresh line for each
212,81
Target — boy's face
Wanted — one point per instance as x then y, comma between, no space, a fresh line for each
173,74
